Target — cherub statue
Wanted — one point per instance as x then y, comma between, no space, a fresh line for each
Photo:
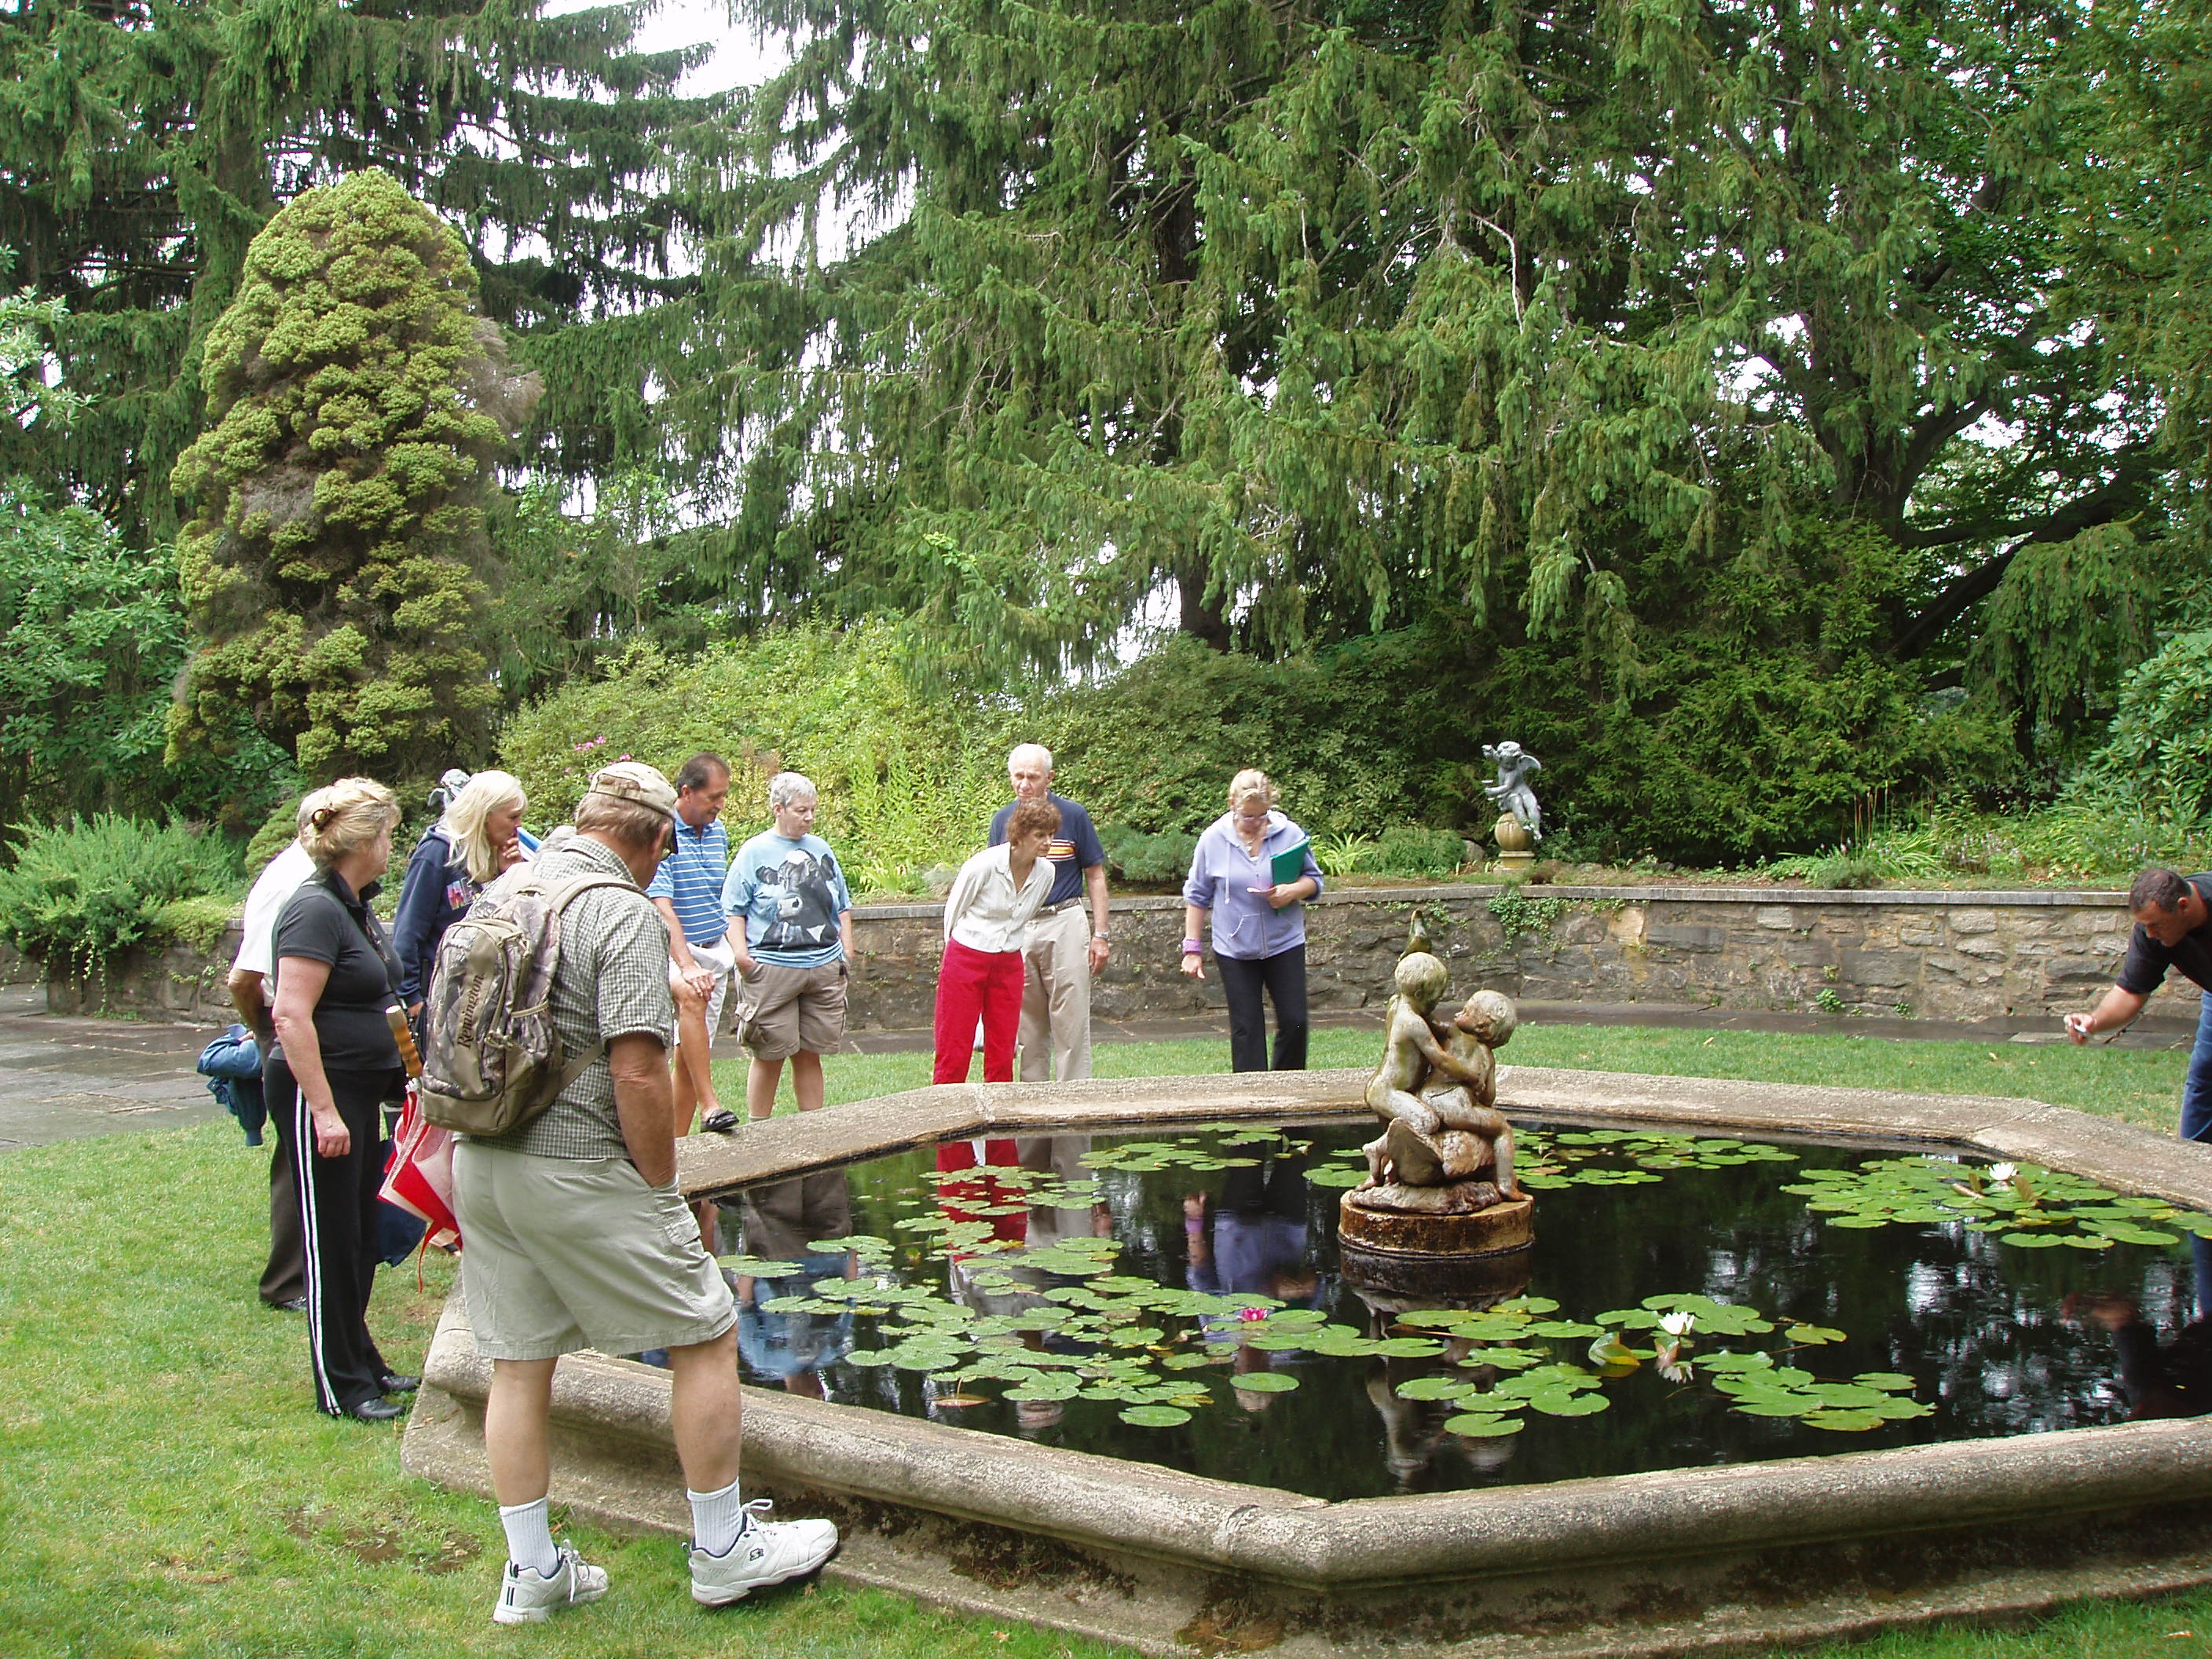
1440,1137
1511,791
1474,1134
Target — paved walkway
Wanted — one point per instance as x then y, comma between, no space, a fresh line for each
67,1080
63,1079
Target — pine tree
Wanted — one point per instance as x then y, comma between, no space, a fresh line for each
143,146
357,405
1569,316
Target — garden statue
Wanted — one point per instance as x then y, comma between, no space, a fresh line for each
1511,791
1440,1178
1520,822
1440,1136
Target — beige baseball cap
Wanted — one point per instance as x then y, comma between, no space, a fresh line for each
638,784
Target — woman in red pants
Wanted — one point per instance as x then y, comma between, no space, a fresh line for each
992,898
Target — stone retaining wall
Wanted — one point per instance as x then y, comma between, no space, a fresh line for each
182,984
1952,955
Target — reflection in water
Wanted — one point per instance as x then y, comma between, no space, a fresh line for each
779,1220
2158,1379
1020,1228
1253,1237
1414,1431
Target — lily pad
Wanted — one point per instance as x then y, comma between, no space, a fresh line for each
1435,1388
1265,1381
1850,1422
1568,1403
1330,1175
1482,1425
1154,1417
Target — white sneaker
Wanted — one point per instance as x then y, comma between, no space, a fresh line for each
766,1552
527,1596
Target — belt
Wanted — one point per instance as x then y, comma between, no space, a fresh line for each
1065,904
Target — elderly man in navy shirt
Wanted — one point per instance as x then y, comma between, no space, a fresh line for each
687,891
2173,930
1063,946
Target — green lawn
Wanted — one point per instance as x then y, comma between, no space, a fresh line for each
2137,1085
165,1489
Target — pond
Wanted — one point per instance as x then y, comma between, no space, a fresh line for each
1689,1301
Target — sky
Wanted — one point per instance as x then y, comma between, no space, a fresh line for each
742,60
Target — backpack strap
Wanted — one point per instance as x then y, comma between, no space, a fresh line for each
558,900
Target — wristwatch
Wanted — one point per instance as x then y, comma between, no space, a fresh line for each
1103,939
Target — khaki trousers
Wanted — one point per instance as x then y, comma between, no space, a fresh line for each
1055,1033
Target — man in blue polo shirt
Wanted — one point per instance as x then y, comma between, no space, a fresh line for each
687,891
1063,946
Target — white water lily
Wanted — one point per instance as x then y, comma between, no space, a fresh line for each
2004,1172
1678,1323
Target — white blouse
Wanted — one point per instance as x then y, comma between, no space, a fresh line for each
984,911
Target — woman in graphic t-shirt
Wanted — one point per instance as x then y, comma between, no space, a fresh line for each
334,1065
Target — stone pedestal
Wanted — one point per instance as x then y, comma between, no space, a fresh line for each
1425,1256
1517,847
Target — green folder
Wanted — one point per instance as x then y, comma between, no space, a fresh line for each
1290,863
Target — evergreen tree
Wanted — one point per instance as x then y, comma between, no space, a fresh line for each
1571,316
357,405
143,145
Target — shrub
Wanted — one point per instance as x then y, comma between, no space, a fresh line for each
1345,734
200,922
1340,855
356,407
907,780
1407,849
2158,757
79,894
1132,855
1843,871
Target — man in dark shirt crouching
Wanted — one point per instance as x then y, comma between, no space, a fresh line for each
2173,930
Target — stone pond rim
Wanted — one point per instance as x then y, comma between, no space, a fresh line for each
1738,1557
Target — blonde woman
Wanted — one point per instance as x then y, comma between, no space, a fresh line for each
1259,921
331,1069
478,836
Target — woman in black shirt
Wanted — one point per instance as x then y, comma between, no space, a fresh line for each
334,1066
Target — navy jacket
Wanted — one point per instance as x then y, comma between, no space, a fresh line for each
432,898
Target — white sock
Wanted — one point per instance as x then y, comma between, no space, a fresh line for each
530,1538
717,1518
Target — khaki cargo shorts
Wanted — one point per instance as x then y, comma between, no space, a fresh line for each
781,1010
561,1254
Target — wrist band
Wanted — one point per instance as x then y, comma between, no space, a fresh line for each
1191,947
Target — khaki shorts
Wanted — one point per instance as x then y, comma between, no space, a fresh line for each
781,1010
562,1254
720,959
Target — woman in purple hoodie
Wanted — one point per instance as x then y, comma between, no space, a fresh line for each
1259,920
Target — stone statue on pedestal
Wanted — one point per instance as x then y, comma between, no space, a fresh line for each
1514,799
1436,1090
1440,1214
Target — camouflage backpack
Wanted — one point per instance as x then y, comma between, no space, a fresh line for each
491,1059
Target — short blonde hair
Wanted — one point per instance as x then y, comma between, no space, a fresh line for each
1249,783
466,815
344,818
